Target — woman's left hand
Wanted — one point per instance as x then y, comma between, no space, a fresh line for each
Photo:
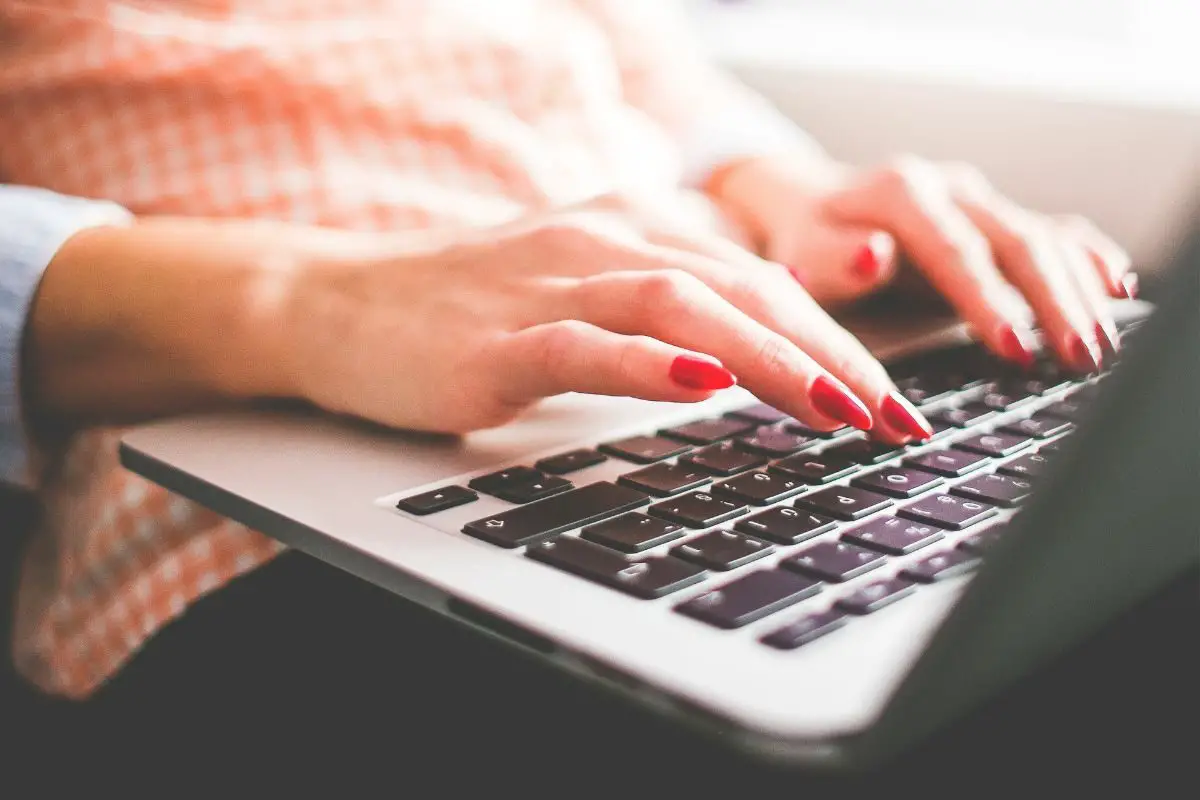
974,245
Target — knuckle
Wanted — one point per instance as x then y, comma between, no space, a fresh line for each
774,356
556,346
666,289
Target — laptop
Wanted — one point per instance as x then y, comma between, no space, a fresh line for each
815,599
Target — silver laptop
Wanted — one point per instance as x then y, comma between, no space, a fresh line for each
811,598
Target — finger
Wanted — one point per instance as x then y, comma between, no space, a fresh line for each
912,201
1110,259
1088,283
573,356
1029,251
677,307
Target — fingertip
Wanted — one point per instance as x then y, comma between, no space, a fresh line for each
875,259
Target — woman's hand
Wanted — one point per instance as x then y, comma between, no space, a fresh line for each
606,298
971,243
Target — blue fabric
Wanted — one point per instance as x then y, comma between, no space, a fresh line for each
34,224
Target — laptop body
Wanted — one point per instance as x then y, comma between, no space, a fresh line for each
1104,523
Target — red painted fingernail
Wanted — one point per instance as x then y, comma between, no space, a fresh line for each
866,263
837,402
1108,337
704,374
1013,347
900,415
1085,356
1129,285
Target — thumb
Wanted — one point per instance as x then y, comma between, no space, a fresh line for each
840,263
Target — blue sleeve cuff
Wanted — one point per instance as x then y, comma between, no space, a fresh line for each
34,224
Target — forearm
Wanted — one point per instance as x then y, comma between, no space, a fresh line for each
167,315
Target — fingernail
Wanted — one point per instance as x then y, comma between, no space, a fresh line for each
1108,337
1085,356
837,402
1129,285
900,415
873,256
704,374
1013,347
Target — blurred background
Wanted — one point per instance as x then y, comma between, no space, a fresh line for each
1090,106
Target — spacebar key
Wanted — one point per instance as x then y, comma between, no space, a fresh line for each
524,524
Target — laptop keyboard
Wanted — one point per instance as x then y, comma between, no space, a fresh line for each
752,516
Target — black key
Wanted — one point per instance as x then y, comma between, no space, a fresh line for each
940,566
1039,426
708,431
1030,465
525,524
1049,450
843,502
1070,409
940,428
899,482
786,525
984,540
547,486
948,511
815,468
864,451
722,550
834,561
1045,377
804,430
664,480
996,443
759,488
645,449
437,500
697,510
999,490
724,459
893,536
875,596
751,598
760,413
947,463
775,442
632,533
804,630
571,462
1007,396
917,393
505,479
648,578
964,417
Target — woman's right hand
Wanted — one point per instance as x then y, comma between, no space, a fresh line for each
602,298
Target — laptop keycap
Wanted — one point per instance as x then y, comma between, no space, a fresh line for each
874,596
697,510
437,500
1030,465
899,482
815,468
504,479
804,430
632,532
785,525
941,566
966,416
571,462
724,459
722,550
893,536
1070,409
1039,426
865,451
834,561
708,431
750,598
645,449
759,488
647,579
664,480
1000,490
804,630
760,413
948,511
546,486
996,443
843,502
981,542
774,442
525,524
948,463
1007,397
